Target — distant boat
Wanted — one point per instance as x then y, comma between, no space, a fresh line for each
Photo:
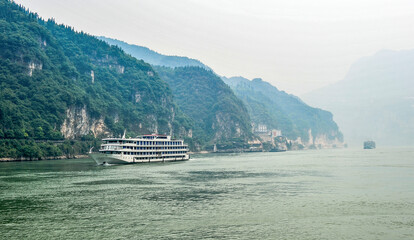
369,145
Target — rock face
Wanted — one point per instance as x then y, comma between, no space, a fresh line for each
32,66
78,123
323,141
225,127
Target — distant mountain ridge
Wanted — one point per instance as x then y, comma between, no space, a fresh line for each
152,57
375,100
276,109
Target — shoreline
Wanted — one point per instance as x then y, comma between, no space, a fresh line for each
25,159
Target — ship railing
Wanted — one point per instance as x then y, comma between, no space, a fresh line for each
135,145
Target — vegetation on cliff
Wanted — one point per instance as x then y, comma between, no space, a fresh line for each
52,76
218,115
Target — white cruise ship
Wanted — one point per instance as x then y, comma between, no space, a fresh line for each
146,148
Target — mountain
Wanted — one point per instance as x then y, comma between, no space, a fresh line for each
219,116
58,84
153,57
196,87
375,99
270,108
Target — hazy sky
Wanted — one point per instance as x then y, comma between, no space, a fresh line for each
297,45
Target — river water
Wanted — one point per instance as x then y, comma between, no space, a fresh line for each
318,194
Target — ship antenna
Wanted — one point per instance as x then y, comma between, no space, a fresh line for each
123,136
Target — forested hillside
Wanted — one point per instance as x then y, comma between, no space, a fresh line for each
279,110
219,116
58,84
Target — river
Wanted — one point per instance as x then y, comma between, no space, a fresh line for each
315,194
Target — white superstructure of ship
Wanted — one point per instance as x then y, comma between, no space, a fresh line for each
142,149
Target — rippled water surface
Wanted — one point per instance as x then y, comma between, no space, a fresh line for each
326,194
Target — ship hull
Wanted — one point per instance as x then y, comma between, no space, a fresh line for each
101,158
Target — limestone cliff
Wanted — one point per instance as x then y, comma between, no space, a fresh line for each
78,122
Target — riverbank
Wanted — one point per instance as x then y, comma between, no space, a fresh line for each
23,159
